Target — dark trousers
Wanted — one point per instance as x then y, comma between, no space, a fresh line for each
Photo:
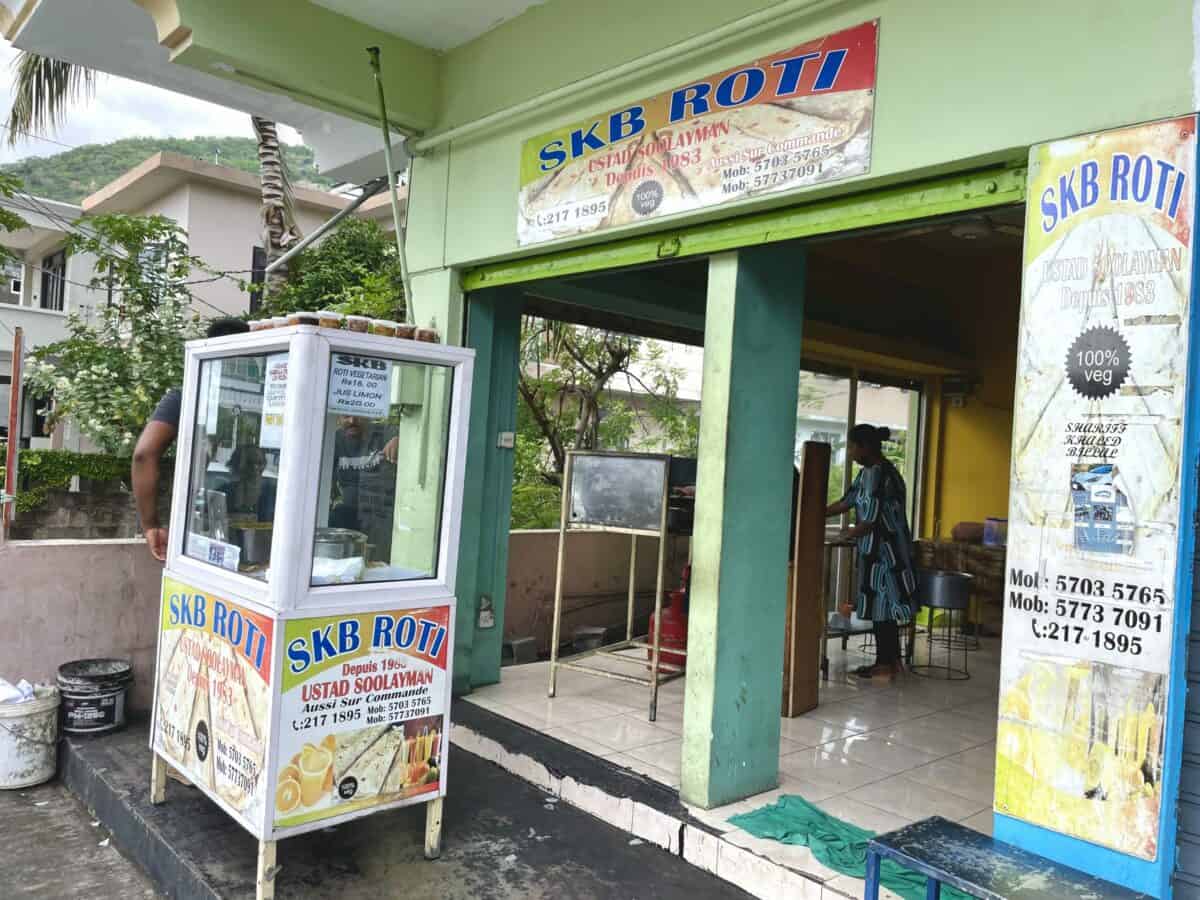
887,642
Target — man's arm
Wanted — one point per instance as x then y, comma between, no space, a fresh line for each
156,437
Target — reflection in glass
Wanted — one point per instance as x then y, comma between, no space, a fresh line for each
234,466
379,511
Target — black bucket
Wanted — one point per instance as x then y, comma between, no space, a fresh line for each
93,694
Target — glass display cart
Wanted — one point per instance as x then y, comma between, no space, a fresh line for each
306,631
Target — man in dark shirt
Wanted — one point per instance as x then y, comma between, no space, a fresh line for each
366,486
156,437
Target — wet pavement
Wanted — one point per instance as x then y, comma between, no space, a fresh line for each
501,839
52,849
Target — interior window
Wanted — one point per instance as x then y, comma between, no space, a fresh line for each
236,449
379,512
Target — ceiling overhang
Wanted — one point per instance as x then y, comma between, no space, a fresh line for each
288,60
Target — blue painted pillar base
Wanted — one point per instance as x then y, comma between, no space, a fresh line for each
493,332
743,511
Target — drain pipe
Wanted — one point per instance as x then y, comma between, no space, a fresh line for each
369,190
373,53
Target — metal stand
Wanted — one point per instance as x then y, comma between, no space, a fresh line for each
660,672
947,639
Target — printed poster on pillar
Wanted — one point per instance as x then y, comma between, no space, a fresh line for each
212,694
1096,480
796,118
362,712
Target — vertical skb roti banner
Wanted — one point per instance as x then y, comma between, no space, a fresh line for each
362,714
1094,511
213,694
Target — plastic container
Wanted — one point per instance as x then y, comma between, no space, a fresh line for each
408,332
995,532
427,335
303,318
358,324
278,322
29,739
260,324
384,327
93,694
330,319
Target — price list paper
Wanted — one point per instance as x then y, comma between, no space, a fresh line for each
1095,492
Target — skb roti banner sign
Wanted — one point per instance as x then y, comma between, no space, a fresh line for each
362,712
796,118
1096,478
213,692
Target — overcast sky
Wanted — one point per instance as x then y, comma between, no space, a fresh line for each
122,108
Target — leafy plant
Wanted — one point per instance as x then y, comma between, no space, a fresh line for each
42,471
568,382
354,270
108,376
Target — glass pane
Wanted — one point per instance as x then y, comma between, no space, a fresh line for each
235,462
821,413
899,409
383,469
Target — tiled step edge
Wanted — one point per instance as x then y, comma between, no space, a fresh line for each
82,770
643,808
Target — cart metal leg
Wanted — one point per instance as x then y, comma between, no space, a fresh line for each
158,779
264,882
433,828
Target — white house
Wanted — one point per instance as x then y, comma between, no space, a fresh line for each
216,206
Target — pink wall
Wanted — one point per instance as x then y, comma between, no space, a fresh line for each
65,600
595,582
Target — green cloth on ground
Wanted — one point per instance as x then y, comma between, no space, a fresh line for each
836,844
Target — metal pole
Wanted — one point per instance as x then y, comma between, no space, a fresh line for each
632,586
373,52
656,636
14,430
369,190
558,574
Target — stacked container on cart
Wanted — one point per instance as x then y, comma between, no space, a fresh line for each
298,689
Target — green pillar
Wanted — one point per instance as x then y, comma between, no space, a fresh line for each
493,332
743,509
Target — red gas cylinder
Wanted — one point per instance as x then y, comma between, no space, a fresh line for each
674,632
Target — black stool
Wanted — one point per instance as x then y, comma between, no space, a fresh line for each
948,592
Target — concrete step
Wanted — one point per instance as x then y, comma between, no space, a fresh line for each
644,808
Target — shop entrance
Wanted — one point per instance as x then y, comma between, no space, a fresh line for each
913,327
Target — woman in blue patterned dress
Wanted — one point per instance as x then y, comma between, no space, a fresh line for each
887,580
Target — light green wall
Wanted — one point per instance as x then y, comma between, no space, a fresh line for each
958,83
312,54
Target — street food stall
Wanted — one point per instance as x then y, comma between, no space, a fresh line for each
306,632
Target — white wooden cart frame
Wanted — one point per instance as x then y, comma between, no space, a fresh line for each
289,594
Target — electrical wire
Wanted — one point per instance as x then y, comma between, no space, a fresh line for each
37,137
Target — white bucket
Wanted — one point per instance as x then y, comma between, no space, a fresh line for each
29,739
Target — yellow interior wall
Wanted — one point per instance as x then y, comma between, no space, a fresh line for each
950,295
970,480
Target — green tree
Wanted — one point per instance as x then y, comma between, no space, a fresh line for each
355,270
108,375
567,377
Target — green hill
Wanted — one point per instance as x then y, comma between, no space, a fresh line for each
74,174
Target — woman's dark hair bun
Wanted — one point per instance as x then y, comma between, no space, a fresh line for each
883,433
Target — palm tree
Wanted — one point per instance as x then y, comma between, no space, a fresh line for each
44,89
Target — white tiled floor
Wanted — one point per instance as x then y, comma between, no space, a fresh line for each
876,753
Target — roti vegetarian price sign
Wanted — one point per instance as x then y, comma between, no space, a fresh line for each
796,118
1096,478
362,712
